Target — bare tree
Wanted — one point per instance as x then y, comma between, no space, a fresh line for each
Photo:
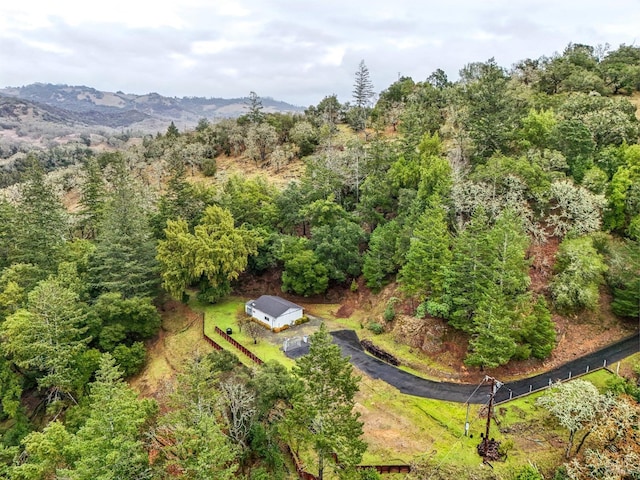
240,408
254,330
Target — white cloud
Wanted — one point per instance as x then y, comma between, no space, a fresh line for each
294,50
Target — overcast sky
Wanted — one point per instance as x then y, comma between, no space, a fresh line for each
298,51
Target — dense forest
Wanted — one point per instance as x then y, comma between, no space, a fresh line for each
438,187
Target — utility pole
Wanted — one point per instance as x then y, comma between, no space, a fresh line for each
487,449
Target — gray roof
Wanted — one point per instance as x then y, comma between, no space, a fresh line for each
272,305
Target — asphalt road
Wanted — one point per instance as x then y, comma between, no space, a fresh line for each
462,393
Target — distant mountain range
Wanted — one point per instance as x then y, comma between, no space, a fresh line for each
86,107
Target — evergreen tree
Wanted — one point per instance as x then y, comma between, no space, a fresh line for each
624,278
322,418
423,274
492,343
538,330
43,224
379,261
124,258
254,105
110,443
48,337
470,275
93,199
362,95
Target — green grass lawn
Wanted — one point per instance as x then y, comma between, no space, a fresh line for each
224,315
422,427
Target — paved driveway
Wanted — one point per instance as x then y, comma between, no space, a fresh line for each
460,392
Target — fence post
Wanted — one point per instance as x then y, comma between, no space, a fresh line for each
587,368
569,374
618,369
530,388
605,363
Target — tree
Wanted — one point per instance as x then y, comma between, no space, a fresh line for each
613,451
181,199
579,272
254,330
124,258
362,94
215,254
304,274
189,436
123,320
379,261
492,343
43,224
538,330
172,131
490,109
254,105
93,199
45,453
576,405
110,443
322,417
470,273
624,278
428,258
261,140
338,248
621,69
48,338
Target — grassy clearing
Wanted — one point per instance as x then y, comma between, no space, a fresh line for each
179,338
400,428
224,315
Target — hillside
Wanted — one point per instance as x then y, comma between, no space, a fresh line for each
119,109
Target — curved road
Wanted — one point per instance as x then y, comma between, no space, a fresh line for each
461,392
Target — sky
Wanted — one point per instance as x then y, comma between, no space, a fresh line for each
298,51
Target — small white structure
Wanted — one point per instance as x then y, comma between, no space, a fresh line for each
274,312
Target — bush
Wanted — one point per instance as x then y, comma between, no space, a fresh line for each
301,320
209,167
131,359
389,313
376,328
528,472
421,311
437,309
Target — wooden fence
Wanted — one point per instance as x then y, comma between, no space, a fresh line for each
239,346
207,338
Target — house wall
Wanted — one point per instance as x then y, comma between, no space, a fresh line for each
262,317
284,320
288,317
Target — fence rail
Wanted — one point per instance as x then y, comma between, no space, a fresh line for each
240,347
207,338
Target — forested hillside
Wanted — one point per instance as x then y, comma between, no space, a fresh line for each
446,192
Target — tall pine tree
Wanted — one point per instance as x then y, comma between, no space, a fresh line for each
124,258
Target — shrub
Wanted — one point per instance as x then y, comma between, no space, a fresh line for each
437,309
131,359
389,313
209,167
376,328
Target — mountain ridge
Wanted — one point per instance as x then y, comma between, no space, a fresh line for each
97,106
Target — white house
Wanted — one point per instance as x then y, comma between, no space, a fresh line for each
275,312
